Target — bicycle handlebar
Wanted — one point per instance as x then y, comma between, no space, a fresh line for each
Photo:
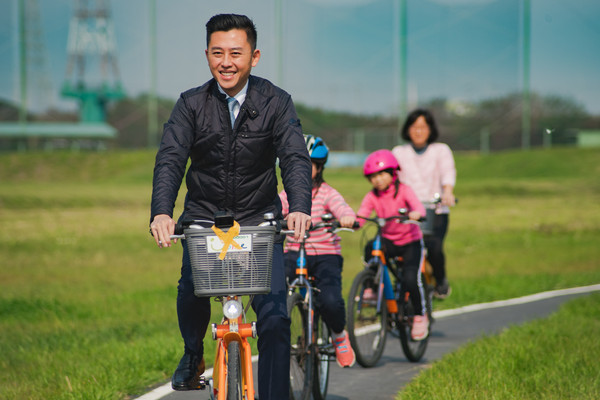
280,225
328,222
437,199
402,217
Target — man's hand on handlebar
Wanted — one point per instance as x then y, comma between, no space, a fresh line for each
162,227
299,222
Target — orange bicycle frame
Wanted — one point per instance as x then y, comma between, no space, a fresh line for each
225,333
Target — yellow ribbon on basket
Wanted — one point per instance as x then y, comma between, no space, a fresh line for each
227,238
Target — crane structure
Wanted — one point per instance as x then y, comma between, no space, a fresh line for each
34,76
92,74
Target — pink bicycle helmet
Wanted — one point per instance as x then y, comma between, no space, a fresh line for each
380,160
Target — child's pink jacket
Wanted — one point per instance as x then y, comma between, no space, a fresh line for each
386,205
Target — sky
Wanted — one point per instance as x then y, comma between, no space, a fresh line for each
337,54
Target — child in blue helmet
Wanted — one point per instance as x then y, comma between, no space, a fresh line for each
323,250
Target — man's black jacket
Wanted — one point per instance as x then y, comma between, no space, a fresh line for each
232,169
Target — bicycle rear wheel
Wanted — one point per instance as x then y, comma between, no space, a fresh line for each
301,357
367,328
413,349
234,372
324,351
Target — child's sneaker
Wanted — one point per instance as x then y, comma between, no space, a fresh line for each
442,291
420,327
344,354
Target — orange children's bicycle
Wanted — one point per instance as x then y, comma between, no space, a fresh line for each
229,262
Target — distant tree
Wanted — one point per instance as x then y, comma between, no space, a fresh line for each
8,111
130,117
461,123
560,116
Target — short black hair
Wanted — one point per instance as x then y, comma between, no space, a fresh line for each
412,117
227,22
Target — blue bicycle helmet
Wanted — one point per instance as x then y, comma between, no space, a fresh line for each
317,149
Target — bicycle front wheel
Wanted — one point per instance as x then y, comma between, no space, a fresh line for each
301,357
324,351
413,349
367,328
234,372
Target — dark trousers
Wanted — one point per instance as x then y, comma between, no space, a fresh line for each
435,247
272,323
327,271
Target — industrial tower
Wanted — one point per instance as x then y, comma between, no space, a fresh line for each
91,49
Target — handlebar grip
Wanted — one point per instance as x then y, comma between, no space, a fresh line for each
179,228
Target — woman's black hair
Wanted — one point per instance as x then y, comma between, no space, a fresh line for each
412,117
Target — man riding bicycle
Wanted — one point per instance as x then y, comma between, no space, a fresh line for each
232,129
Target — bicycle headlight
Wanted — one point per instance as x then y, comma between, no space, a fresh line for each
232,309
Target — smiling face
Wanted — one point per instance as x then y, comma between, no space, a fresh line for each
419,132
230,59
381,180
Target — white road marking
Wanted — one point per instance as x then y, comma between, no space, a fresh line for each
518,300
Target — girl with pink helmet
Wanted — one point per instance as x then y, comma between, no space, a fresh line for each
405,240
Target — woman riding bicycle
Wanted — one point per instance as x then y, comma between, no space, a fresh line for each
324,254
399,240
428,167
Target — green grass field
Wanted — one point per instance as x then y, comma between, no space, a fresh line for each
87,302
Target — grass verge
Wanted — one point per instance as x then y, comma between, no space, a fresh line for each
552,358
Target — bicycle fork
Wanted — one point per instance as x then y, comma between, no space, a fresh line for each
386,290
301,282
233,330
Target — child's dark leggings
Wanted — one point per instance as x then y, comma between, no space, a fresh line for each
327,271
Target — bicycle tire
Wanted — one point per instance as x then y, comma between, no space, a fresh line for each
323,351
413,349
301,355
234,372
367,328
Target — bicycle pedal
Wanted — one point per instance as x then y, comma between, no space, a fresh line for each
201,383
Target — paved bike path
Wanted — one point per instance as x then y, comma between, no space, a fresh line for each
451,329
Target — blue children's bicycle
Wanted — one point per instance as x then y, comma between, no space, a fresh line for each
378,305
312,346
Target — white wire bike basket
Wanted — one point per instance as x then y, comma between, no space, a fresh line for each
242,271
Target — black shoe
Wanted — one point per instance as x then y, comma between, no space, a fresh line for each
442,291
188,372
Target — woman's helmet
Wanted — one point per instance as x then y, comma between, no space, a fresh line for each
380,160
317,149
